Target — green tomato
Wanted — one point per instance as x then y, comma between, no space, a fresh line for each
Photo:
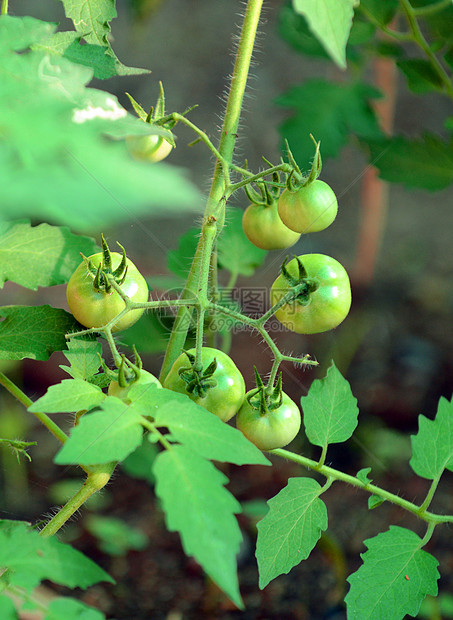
264,228
122,392
273,429
226,397
152,148
325,307
94,308
308,209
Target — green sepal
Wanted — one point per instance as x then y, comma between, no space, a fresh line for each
138,108
198,381
316,166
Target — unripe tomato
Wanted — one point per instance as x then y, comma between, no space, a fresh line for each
324,308
310,208
226,397
152,148
264,228
94,308
122,392
273,429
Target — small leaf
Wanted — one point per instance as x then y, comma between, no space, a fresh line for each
33,558
34,332
432,446
362,475
198,507
43,255
394,578
421,77
374,501
83,355
329,111
425,163
330,21
330,409
70,395
291,528
103,436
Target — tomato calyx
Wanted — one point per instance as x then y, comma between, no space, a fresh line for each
262,398
128,372
198,381
302,285
295,179
267,195
101,281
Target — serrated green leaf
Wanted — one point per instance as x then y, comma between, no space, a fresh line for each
203,432
291,528
362,475
83,355
71,609
99,58
394,578
34,331
234,251
421,77
91,19
330,21
330,409
198,507
69,396
43,255
103,436
425,163
32,558
432,446
330,112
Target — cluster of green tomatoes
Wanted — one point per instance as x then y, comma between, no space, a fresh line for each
311,295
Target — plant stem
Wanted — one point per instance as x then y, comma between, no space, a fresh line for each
4,7
431,9
335,474
96,480
42,417
420,40
430,494
221,176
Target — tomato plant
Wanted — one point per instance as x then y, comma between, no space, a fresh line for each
310,208
69,172
95,307
220,390
322,304
274,428
264,228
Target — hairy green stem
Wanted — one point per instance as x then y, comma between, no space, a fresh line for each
42,417
335,474
221,176
96,480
